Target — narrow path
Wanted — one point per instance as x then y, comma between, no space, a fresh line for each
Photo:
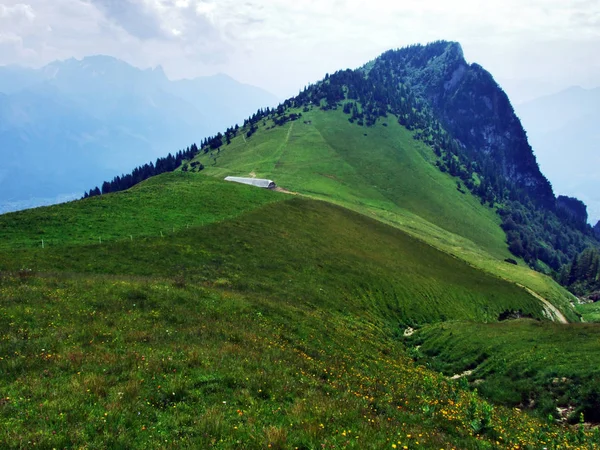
285,191
281,148
551,310
287,138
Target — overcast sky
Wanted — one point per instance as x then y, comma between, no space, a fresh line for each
532,47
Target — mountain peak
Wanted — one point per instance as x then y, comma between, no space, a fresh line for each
445,48
158,70
451,50
95,64
472,106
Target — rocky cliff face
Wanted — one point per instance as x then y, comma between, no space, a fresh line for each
572,209
471,105
597,230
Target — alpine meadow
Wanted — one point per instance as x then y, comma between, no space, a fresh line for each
411,282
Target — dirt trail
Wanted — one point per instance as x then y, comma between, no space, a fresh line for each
285,191
551,310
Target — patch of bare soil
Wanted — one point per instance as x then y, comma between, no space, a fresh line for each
285,191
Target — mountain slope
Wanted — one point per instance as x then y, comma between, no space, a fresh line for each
385,170
329,254
470,105
386,174
271,320
75,123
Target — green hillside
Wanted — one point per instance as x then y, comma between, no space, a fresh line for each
278,324
521,362
374,169
383,172
162,204
311,250
118,362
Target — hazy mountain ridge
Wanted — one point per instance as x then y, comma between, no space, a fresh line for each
563,130
77,122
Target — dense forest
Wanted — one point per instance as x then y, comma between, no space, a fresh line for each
582,275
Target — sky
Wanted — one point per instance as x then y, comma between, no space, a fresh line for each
532,47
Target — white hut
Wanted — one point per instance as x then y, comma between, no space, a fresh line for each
259,182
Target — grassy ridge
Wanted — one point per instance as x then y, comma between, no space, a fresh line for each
172,200
521,362
115,362
383,167
304,251
387,175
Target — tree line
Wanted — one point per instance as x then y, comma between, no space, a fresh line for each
166,164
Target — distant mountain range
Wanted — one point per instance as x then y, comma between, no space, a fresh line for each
74,123
563,131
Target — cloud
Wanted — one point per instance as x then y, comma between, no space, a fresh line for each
17,11
282,44
182,25
137,18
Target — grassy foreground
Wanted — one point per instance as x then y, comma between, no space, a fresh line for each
114,362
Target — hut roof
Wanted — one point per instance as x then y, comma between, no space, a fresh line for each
259,182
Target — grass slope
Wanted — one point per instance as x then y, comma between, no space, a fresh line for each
155,206
119,362
589,311
270,321
521,362
382,168
304,251
386,174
